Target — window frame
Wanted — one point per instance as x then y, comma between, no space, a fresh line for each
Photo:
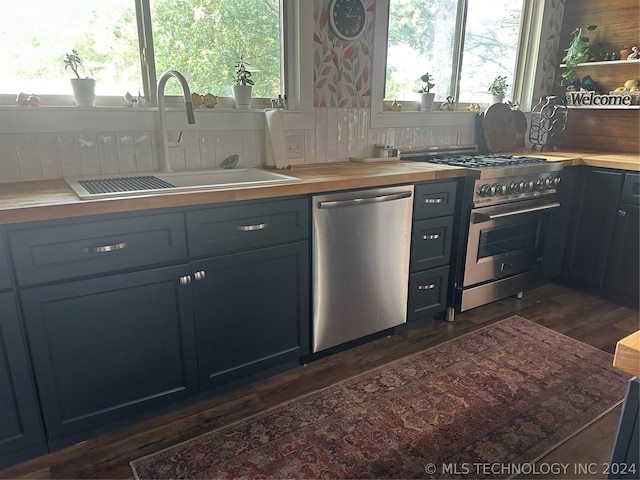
290,75
523,84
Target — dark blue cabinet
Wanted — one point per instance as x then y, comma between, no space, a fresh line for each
109,348
592,215
252,312
431,241
21,434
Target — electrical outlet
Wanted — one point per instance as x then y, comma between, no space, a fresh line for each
295,146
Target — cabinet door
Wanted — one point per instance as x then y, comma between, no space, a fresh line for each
623,271
431,243
80,247
434,199
21,433
592,214
109,348
427,293
252,311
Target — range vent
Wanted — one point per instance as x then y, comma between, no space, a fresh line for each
125,184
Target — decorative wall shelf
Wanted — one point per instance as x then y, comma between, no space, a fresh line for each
608,62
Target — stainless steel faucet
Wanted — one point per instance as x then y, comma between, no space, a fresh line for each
191,119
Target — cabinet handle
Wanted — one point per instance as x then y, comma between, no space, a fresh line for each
105,248
431,286
200,275
622,213
250,228
432,236
433,200
186,280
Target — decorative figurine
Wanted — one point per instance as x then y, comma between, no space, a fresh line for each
449,105
635,54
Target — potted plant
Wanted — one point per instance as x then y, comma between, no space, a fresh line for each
498,89
426,97
83,88
243,85
579,51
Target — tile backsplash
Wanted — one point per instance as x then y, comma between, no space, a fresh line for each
340,133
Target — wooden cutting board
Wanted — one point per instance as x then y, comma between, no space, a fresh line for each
504,129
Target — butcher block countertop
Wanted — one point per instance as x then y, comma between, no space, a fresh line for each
627,356
52,199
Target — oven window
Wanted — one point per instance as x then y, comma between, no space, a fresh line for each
507,239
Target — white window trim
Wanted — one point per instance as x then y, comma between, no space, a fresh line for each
523,80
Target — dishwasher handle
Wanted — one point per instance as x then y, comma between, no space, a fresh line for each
364,200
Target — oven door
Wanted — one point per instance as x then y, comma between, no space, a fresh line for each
506,239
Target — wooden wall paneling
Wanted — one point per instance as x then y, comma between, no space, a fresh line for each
618,27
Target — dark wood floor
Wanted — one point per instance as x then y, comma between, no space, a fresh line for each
587,318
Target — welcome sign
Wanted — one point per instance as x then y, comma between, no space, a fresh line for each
592,99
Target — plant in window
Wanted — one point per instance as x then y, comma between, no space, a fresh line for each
427,85
243,84
83,88
499,86
426,97
579,51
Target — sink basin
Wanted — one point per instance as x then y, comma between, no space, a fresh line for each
108,186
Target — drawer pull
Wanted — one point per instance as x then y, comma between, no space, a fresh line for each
434,200
186,280
200,275
105,248
431,286
432,236
250,228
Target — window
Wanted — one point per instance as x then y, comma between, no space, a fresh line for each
463,44
200,38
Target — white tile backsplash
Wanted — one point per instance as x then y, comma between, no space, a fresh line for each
340,133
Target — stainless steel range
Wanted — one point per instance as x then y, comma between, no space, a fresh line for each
504,212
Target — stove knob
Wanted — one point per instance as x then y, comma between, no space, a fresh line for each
528,186
542,184
500,189
553,182
485,191
514,187
521,186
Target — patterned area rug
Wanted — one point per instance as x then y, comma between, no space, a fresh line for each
501,396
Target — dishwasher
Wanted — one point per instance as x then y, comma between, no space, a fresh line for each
361,243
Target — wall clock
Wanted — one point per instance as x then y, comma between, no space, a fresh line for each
347,18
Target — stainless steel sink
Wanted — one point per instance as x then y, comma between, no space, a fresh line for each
108,186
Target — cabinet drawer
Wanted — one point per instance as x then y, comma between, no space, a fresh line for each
91,247
5,277
427,293
240,227
631,189
431,243
434,199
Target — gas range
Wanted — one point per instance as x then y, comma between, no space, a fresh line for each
505,209
496,178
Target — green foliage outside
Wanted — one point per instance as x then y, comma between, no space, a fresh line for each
204,38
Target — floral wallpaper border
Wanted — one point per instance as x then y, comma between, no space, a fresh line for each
341,69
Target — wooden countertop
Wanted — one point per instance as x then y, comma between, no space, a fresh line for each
627,355
51,199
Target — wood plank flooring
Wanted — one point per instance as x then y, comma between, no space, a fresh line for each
582,316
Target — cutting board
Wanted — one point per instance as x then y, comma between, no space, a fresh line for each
504,129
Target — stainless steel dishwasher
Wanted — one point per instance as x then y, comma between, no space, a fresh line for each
361,242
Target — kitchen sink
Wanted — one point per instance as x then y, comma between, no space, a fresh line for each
108,186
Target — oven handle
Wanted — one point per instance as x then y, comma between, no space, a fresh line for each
486,217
